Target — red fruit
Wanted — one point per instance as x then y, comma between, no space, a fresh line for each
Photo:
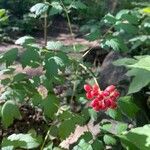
95,87
106,93
100,97
113,105
116,94
113,98
108,102
94,92
87,88
103,106
95,103
110,88
89,95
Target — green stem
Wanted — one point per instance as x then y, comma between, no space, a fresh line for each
69,22
45,139
89,71
45,27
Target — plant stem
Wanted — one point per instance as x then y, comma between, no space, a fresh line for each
88,70
69,22
45,139
103,36
45,28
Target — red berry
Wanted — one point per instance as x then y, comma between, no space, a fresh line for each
110,88
100,97
95,102
103,106
116,94
113,98
106,93
95,87
87,88
89,95
107,102
113,105
94,92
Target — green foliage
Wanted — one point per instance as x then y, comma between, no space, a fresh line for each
138,138
128,107
9,57
25,141
58,111
9,112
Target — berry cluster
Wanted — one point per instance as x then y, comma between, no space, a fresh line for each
102,100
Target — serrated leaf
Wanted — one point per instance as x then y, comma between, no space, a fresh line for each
19,77
78,5
121,13
25,141
54,45
115,43
50,106
39,8
97,145
56,8
109,140
83,146
94,35
141,79
138,138
10,56
121,127
30,58
52,65
25,40
114,113
127,106
66,128
126,27
143,63
9,112
109,19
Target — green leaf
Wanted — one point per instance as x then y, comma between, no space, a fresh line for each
109,140
120,127
126,27
143,63
52,65
114,113
115,43
30,58
50,106
39,8
56,8
66,128
124,62
78,5
97,145
94,35
109,19
10,56
83,146
9,112
25,40
146,10
127,106
121,13
25,141
19,77
137,137
54,45
141,79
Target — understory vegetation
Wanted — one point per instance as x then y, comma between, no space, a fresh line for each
57,96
